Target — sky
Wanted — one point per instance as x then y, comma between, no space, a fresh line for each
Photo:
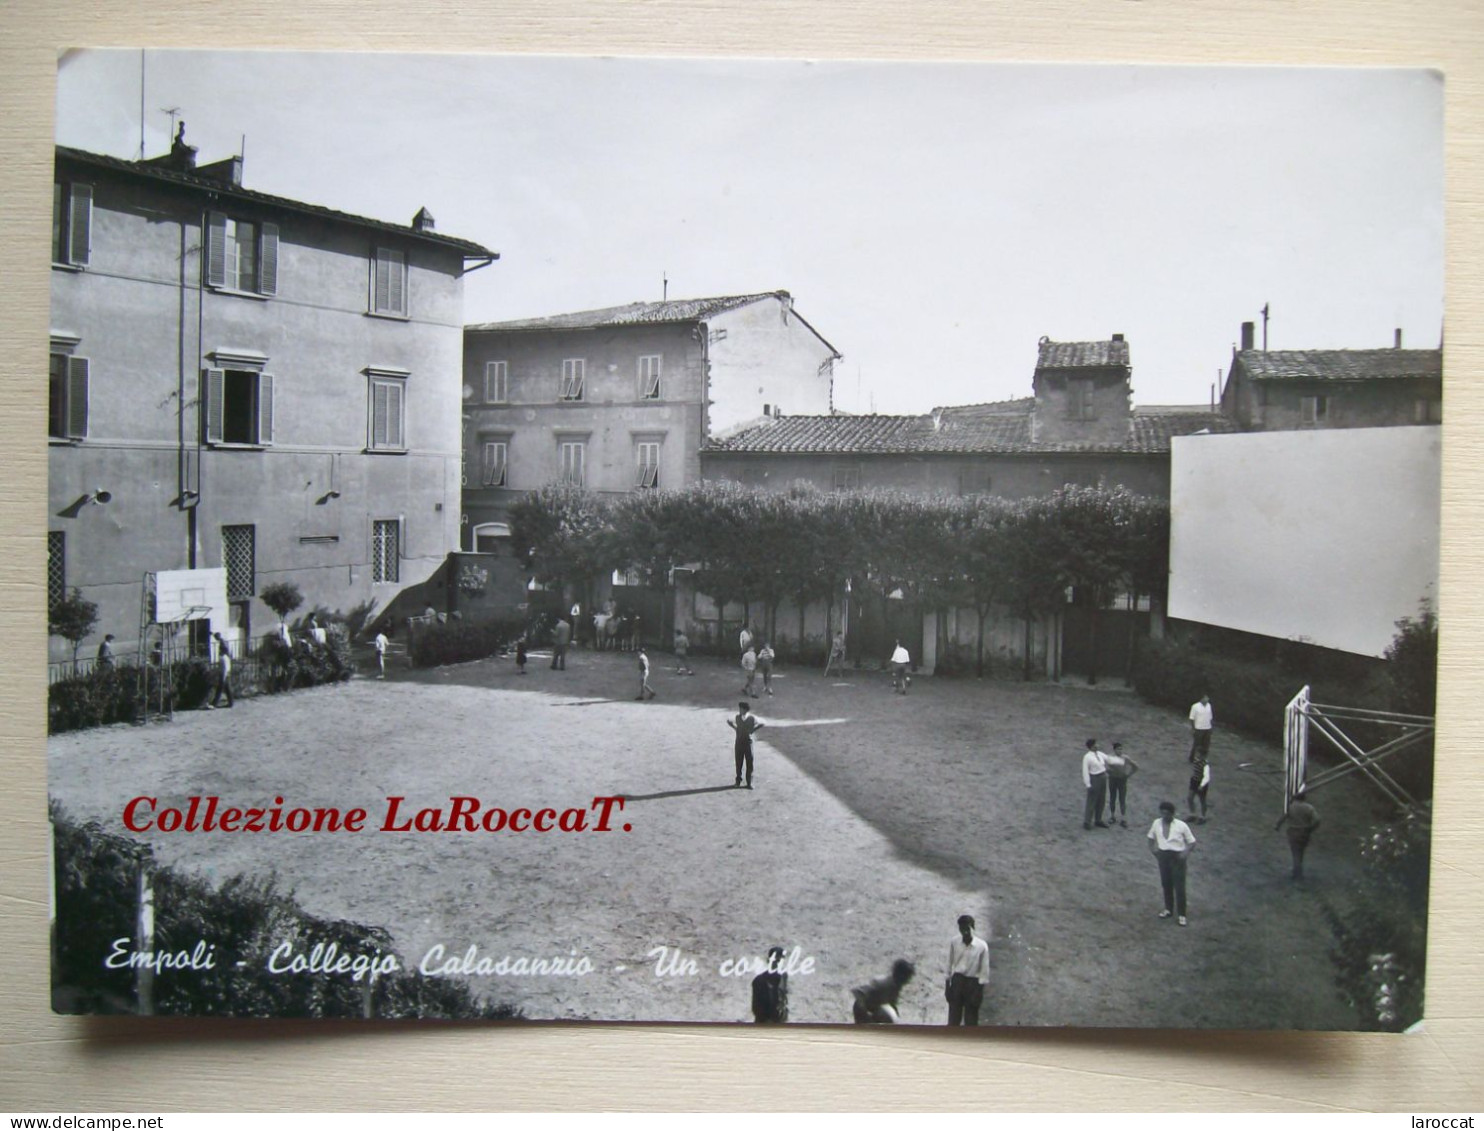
932,221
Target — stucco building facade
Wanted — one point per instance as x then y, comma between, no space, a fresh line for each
239,380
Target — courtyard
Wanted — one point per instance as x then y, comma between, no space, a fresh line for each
876,820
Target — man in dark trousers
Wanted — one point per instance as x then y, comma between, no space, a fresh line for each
745,724
968,974
1302,820
223,673
770,991
561,636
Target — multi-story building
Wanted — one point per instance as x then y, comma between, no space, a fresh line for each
1080,427
243,381
623,398
1282,390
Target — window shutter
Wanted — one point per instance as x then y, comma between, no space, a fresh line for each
378,414
77,397
216,382
268,261
397,286
216,250
394,414
80,229
265,408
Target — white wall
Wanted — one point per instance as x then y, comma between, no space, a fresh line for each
1323,536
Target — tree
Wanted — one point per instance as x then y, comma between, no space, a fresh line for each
73,618
979,532
283,597
1412,662
561,532
1035,582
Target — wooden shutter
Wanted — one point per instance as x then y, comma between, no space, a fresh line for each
80,225
394,414
378,414
268,261
397,284
265,408
213,403
77,397
216,249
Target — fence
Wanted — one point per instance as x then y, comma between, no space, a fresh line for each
244,655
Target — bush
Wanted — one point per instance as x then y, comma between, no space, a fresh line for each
1248,695
112,694
284,668
96,881
456,642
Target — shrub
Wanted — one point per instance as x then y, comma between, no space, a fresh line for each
283,597
96,877
113,694
1412,663
283,668
458,642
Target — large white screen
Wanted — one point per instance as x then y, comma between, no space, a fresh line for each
1323,536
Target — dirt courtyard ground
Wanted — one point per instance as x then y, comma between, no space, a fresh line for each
877,820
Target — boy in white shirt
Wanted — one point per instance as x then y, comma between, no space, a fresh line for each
1170,841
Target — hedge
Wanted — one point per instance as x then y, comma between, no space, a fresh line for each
457,642
97,877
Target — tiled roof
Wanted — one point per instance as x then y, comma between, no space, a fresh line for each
1076,355
227,190
1340,365
966,429
634,313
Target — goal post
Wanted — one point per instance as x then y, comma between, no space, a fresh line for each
1335,724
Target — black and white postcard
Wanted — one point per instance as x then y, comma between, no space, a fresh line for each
736,541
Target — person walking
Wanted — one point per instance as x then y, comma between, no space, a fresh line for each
1095,780
744,638
968,974
746,724
645,691
765,666
836,657
1200,782
223,673
876,1001
381,644
900,660
770,991
749,669
105,653
682,654
1170,840
1302,820
1201,721
561,636
1120,768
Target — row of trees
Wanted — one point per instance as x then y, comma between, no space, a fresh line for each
803,545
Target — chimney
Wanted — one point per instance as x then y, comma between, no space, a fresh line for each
1249,333
423,221
1398,338
1118,337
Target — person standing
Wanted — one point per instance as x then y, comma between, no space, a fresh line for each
576,620
749,669
900,660
317,632
1201,722
105,653
223,673
876,1001
682,654
1200,782
521,654
381,644
1120,768
561,636
746,724
765,666
645,691
1303,821
1170,840
968,974
836,657
1095,780
770,991
744,638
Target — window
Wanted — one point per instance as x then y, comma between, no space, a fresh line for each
496,382
386,415
239,556
1080,404
67,397
56,568
241,255
386,550
572,375
389,283
574,459
493,463
1429,410
238,407
489,537
72,223
847,476
648,458
649,378
1313,410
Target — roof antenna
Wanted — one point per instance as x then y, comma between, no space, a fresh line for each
665,285
1264,327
